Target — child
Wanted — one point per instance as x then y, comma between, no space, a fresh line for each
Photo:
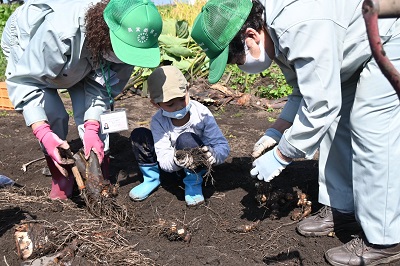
178,124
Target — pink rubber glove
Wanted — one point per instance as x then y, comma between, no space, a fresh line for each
51,142
91,140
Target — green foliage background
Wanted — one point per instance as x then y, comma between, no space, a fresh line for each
179,49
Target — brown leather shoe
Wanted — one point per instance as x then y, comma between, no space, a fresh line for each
326,221
359,252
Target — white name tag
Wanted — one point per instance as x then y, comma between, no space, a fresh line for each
113,121
112,79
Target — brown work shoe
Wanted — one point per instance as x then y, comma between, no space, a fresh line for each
359,252
326,221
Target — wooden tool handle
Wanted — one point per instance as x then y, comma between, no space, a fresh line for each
78,177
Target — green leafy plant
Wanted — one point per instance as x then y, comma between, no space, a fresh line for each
4,113
239,80
277,87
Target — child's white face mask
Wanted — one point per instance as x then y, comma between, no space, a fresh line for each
178,114
256,65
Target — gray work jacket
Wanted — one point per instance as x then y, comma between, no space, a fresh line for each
318,44
44,41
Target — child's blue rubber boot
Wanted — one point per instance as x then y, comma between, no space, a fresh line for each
151,181
193,187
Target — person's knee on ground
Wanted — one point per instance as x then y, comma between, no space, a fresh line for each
61,186
143,149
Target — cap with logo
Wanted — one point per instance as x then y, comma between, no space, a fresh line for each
166,83
135,26
214,28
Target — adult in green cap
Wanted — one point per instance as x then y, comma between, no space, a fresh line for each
88,47
341,105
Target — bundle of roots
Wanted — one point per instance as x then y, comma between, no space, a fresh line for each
74,237
97,192
96,240
200,161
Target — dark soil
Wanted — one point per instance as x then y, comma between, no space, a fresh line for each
216,229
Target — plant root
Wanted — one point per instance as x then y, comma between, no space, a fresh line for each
199,159
173,232
100,206
245,228
99,194
94,239
273,199
304,209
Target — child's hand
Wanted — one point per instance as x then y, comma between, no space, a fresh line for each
208,151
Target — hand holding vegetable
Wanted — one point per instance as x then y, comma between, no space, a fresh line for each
92,141
51,143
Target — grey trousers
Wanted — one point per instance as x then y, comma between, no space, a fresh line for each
359,164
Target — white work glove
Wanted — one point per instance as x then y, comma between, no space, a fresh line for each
268,166
185,162
269,140
208,152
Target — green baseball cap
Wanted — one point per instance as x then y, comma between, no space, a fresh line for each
214,28
135,26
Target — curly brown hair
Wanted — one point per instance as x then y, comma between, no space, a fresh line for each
97,32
